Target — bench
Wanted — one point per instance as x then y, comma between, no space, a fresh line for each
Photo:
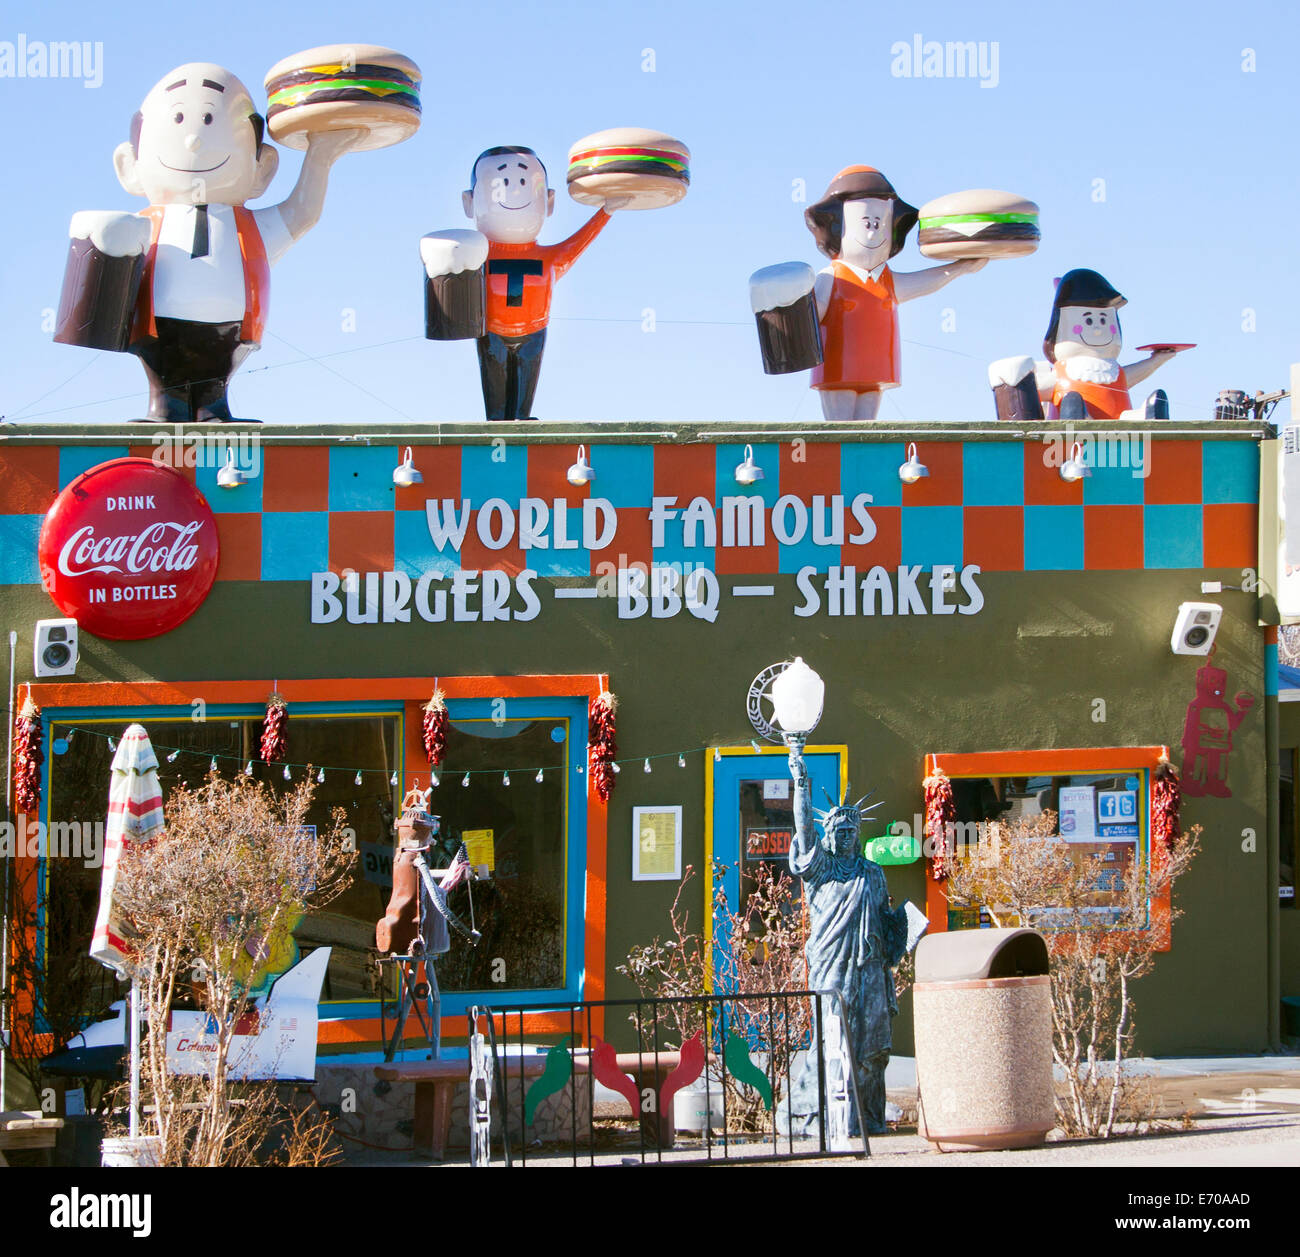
436,1082
22,1130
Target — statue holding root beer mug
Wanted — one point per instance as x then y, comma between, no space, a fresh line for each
184,285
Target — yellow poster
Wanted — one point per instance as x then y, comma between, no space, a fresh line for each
657,851
479,846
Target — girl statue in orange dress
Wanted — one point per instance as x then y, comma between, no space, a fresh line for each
860,224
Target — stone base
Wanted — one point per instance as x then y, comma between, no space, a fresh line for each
380,1114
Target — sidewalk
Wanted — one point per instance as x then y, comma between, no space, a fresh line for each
1218,1111
1208,1086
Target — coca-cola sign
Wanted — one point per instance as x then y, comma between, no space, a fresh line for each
129,549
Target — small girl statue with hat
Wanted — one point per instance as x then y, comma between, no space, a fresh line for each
1082,377
860,224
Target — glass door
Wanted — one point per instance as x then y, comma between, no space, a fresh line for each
752,813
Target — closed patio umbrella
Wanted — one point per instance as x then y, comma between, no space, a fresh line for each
135,815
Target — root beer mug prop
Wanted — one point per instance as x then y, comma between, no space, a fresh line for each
455,284
101,280
789,336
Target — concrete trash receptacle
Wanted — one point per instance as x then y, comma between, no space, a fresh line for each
983,1014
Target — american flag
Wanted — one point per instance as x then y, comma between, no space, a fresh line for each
457,871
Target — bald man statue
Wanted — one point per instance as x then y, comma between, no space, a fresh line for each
185,284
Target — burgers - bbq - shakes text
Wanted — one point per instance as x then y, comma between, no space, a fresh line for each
658,590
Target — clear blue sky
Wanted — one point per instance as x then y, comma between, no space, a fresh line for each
1198,159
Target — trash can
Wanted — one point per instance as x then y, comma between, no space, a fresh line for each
983,1016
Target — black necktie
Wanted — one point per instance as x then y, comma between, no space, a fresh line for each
200,248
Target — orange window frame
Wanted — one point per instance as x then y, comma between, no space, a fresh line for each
412,692
1054,763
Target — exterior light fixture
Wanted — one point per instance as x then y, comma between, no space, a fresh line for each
405,474
1074,468
748,471
912,470
797,696
796,693
581,472
230,476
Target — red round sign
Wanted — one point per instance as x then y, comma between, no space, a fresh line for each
129,549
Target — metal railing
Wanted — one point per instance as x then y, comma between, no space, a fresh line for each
769,1076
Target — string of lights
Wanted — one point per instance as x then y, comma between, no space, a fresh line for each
290,768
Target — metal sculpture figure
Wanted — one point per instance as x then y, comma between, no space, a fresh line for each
855,940
415,926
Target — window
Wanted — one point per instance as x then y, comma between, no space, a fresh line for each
518,829
1101,798
342,745
541,924
1097,815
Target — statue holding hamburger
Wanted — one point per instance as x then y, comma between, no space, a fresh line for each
843,323
184,285
494,284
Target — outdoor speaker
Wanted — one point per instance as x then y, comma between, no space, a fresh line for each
1195,628
55,648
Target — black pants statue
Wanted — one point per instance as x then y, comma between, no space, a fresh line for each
189,366
509,367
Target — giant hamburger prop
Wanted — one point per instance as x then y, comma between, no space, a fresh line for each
980,223
344,87
650,168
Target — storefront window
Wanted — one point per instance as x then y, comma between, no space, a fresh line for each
1099,815
518,829
187,751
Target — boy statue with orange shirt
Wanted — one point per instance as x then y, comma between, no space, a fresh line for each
509,201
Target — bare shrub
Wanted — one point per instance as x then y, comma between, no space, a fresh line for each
200,903
751,953
1023,874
